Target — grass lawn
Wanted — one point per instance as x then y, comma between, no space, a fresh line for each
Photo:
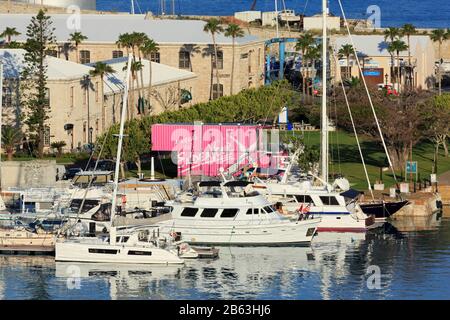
345,159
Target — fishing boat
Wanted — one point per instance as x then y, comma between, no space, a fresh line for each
125,245
227,213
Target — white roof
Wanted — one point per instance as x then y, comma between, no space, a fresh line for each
57,69
107,28
161,74
375,45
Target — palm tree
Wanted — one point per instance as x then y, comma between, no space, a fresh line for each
11,138
77,38
213,27
408,30
234,31
398,46
303,44
139,38
58,145
100,69
8,33
136,66
346,51
439,36
391,34
148,48
125,41
311,55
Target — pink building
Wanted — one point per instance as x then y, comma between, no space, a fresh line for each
203,149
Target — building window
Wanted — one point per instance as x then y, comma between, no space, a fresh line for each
71,97
52,53
219,60
85,56
217,91
346,72
250,62
47,136
7,95
155,57
185,60
117,54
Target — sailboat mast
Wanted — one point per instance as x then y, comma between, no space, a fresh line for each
132,7
1,107
119,144
324,115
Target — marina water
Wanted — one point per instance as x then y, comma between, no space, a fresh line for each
412,255
423,14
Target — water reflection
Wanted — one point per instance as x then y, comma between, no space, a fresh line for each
413,256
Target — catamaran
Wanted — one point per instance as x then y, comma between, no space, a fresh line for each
128,246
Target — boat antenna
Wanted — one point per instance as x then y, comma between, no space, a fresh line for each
324,115
368,94
119,146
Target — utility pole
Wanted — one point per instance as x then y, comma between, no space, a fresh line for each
173,7
132,7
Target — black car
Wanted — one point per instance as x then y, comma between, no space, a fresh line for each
71,172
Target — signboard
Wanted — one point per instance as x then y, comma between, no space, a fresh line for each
411,168
372,73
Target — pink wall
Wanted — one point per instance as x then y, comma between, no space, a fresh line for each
204,149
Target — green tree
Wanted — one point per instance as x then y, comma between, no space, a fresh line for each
303,44
234,31
148,48
58,146
77,38
439,36
311,55
11,138
39,38
213,27
398,46
408,30
8,33
346,51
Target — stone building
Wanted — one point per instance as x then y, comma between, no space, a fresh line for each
78,114
380,67
182,44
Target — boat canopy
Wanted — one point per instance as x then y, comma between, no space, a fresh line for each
351,194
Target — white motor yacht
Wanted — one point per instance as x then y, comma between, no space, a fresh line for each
225,213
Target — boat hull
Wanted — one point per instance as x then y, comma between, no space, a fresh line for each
106,253
245,234
382,210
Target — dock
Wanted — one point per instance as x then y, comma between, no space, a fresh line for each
27,250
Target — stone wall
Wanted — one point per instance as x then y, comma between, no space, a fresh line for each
28,174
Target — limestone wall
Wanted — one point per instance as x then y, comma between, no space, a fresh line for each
28,174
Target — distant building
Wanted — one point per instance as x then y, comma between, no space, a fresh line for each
82,4
77,115
379,66
315,22
182,44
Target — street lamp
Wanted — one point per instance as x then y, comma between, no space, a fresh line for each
90,136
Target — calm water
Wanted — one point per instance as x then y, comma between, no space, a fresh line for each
422,13
413,257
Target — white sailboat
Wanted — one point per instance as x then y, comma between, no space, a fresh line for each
301,196
131,246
